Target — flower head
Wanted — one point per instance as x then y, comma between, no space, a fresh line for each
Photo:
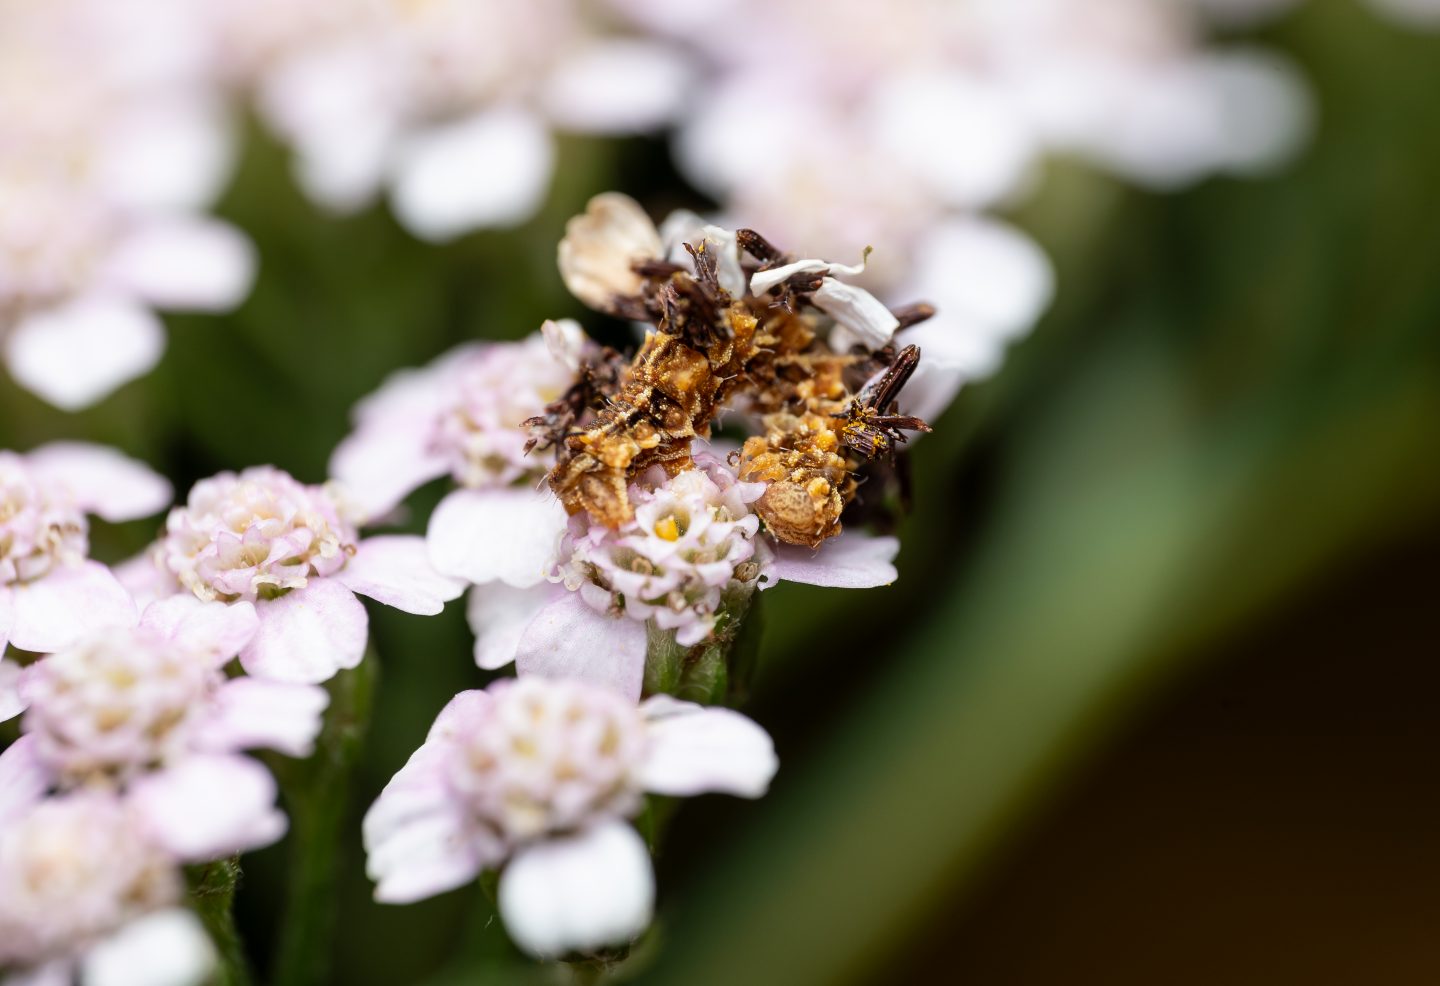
693,536
291,554
51,593
258,533
82,883
536,775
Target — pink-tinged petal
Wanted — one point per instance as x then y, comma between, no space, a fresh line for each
1010,283
23,781
145,579
694,750
568,639
182,264
492,169
171,155
848,561
219,630
11,703
417,843
75,354
379,464
308,634
499,613
102,480
505,535
70,602
251,713
395,570
163,948
619,86
578,893
208,806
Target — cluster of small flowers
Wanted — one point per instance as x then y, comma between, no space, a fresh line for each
130,761
113,142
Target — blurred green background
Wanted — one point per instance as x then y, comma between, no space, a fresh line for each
1153,700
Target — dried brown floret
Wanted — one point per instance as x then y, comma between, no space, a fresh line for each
714,347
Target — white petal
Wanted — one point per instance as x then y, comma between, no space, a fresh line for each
184,264
219,630
208,806
847,561
395,569
388,455
617,86
858,311
308,634
145,580
498,614
7,617
492,169
77,353
416,840
1265,108
568,639
165,948
693,750
983,276
251,713
102,480
565,340
597,254
578,893
71,602
11,704
507,535
23,780
764,280
173,155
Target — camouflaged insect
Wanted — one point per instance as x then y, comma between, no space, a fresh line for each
735,325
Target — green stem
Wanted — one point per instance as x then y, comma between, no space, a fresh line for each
212,891
317,793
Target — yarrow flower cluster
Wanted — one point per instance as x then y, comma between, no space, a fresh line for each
292,555
536,776
112,142
83,888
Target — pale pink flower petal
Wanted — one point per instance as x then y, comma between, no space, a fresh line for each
617,86
849,561
386,457
492,169
308,634
185,264
102,480
209,806
251,713
218,629
70,602
171,155
507,535
145,580
77,353
22,779
498,614
396,570
11,703
694,750
416,839
578,893
164,948
568,639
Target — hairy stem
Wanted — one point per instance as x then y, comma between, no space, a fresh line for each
317,794
212,891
